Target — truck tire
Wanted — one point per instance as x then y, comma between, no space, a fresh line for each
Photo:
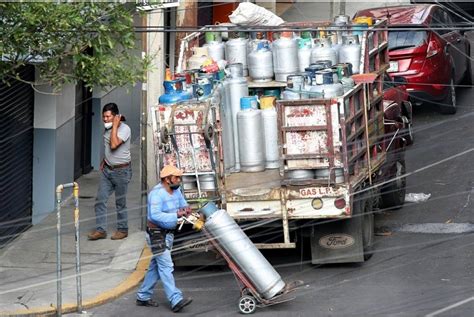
368,235
393,194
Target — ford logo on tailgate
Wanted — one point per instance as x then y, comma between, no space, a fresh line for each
336,241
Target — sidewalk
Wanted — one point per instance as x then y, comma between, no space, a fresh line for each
109,268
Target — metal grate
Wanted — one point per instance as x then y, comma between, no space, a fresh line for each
16,155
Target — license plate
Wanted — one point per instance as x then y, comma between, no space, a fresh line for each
393,67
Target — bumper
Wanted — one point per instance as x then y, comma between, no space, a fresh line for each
417,97
428,83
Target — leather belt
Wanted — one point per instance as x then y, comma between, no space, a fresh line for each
151,225
112,167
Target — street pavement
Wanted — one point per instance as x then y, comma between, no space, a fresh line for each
28,264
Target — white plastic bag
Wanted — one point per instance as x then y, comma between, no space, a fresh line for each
248,13
416,198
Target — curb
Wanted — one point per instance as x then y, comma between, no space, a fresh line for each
128,284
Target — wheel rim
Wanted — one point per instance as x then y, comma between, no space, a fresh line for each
247,305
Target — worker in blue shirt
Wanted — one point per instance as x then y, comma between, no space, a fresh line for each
165,205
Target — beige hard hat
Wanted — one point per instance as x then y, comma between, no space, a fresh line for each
170,170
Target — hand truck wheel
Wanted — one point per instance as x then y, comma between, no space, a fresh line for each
164,135
208,132
247,304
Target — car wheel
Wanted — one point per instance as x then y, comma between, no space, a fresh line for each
467,80
448,105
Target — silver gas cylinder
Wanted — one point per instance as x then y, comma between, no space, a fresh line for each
285,56
241,249
236,87
270,127
227,126
350,52
322,50
251,140
236,52
260,62
216,50
299,174
304,54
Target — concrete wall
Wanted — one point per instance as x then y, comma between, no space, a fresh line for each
53,147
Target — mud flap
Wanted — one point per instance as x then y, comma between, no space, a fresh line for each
337,241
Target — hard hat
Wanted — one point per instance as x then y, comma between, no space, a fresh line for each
170,170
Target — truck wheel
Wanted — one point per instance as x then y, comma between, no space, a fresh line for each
393,194
448,105
368,236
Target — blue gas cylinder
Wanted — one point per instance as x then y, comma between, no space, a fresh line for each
174,92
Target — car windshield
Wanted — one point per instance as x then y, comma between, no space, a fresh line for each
405,39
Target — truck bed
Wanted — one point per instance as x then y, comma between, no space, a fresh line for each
265,180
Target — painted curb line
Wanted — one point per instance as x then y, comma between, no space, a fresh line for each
128,284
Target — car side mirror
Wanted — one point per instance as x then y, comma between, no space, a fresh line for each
399,80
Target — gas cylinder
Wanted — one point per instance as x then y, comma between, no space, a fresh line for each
241,249
285,56
295,85
260,62
174,92
270,127
236,52
227,129
323,51
304,53
350,52
345,71
236,87
329,89
251,138
200,55
215,50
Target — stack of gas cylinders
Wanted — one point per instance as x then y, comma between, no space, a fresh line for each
314,64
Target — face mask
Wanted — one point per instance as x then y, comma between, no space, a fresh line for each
107,125
174,186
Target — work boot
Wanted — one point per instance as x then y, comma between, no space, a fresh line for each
181,304
118,235
96,235
147,303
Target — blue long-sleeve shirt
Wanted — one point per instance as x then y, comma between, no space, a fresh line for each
163,207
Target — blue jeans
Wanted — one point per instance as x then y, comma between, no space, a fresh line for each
115,180
161,267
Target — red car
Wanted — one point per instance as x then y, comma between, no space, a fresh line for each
433,59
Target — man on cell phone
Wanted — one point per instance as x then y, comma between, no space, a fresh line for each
116,172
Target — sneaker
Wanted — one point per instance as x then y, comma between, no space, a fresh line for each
96,235
118,235
181,304
147,303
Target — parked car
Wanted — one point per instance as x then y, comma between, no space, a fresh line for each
433,59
